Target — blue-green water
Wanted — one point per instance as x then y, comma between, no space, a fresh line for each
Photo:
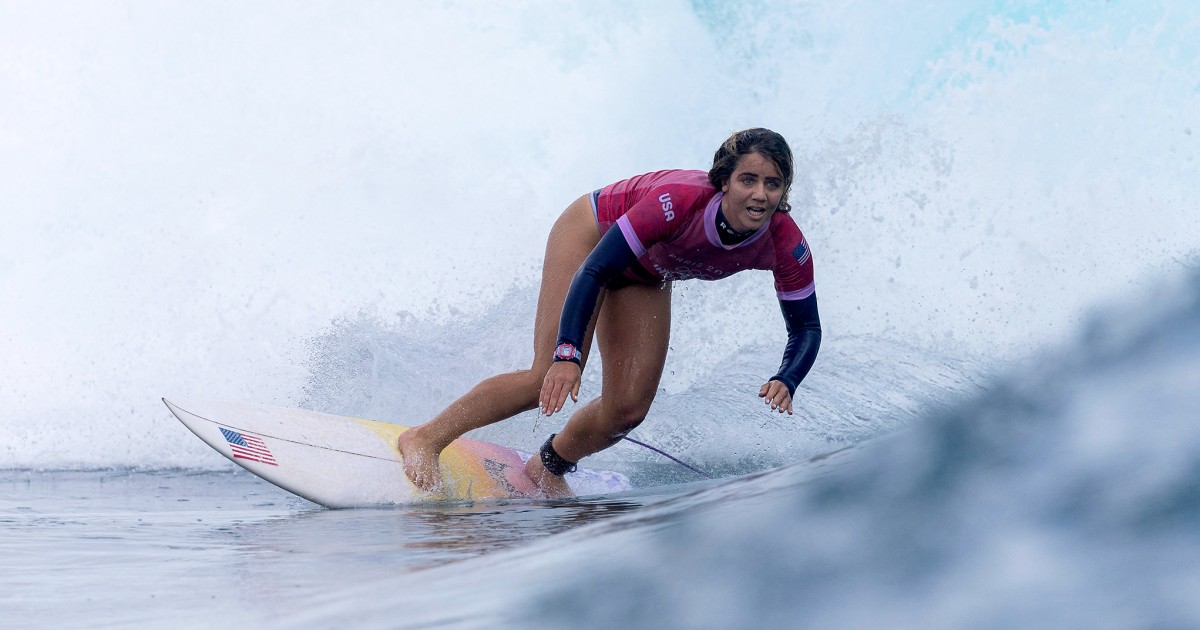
343,207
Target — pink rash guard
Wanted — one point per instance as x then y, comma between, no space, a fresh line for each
667,230
668,219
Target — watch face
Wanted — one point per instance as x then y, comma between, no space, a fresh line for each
565,351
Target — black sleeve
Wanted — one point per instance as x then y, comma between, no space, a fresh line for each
804,339
611,256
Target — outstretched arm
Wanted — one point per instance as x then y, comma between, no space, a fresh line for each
804,340
611,256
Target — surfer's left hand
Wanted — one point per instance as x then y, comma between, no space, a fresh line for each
776,394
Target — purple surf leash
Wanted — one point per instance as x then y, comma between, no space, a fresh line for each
670,457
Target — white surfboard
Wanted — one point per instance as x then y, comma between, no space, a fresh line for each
339,462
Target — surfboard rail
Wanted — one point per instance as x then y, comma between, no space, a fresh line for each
339,461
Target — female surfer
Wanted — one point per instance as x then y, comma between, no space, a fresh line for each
611,259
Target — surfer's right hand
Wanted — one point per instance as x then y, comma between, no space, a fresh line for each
562,378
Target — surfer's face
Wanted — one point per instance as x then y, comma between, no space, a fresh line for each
752,193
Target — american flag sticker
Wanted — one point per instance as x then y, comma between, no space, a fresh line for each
246,446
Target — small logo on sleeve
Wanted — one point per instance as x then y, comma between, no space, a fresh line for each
665,200
801,252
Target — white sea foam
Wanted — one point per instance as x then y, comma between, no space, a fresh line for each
194,196
343,207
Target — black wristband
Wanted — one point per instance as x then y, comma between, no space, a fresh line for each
552,461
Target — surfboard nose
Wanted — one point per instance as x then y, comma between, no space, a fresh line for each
175,408
170,405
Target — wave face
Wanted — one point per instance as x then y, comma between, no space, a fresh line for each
1063,496
344,208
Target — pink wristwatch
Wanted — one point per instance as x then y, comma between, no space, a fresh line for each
567,352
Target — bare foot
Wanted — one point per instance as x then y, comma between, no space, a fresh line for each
420,461
552,486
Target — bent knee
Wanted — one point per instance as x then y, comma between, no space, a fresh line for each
624,418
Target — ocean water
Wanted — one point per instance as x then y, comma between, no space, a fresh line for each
343,208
